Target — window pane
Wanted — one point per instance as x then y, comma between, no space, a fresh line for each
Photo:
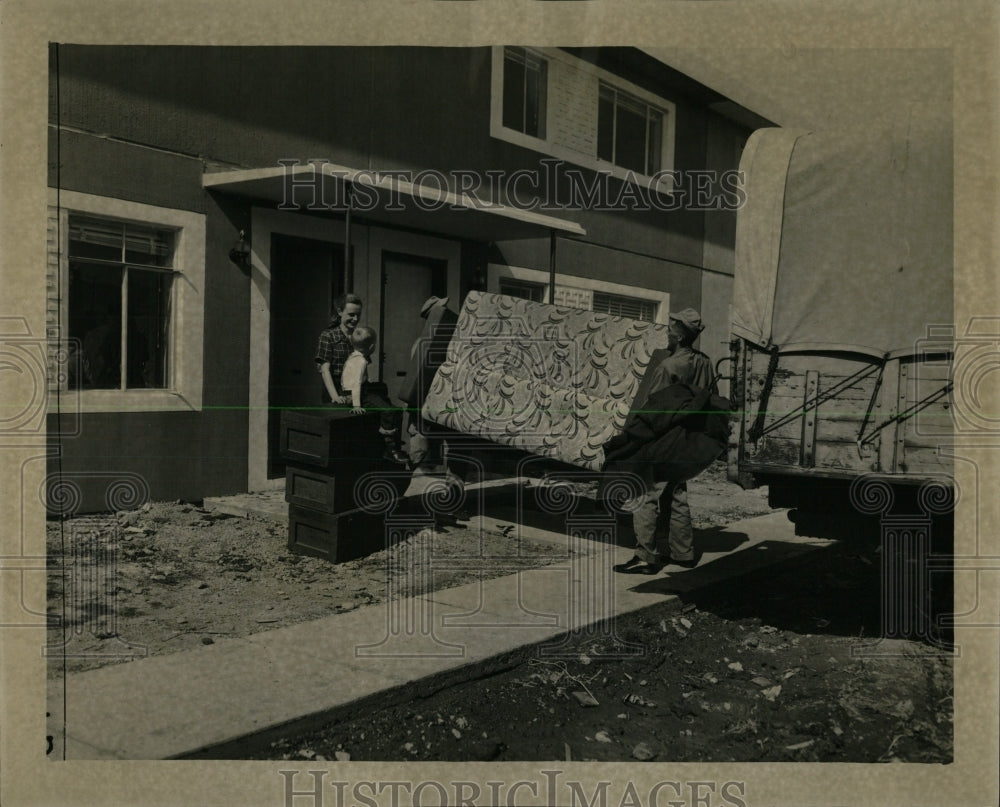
148,246
606,125
655,141
523,289
618,305
630,137
148,328
534,102
110,262
95,315
92,238
513,91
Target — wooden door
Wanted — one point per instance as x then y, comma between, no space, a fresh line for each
407,281
306,276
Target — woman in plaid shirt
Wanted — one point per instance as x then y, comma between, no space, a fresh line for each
335,346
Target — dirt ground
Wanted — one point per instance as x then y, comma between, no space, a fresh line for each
170,576
773,666
765,667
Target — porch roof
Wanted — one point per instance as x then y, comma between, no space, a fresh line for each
382,198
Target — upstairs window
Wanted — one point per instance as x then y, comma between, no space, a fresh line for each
525,77
557,104
629,131
119,303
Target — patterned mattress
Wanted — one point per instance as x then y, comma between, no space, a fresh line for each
557,382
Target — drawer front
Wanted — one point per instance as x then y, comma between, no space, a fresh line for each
330,441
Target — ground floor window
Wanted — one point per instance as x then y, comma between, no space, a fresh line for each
587,294
119,303
125,304
621,306
523,289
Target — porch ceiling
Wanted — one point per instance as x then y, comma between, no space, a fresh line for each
388,200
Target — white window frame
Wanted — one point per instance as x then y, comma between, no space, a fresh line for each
186,343
664,183
622,96
660,298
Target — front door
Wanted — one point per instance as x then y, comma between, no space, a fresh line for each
407,282
306,276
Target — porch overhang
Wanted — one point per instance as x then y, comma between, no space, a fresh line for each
384,197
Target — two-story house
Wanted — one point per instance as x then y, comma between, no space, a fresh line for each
207,204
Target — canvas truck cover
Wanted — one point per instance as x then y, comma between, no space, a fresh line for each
845,239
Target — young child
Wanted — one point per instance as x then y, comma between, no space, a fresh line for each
354,382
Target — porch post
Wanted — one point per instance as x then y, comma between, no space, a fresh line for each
348,266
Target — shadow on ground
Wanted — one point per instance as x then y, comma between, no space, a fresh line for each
835,590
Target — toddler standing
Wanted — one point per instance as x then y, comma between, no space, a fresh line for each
367,395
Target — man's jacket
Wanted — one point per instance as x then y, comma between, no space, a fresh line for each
679,431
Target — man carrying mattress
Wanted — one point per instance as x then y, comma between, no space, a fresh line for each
674,431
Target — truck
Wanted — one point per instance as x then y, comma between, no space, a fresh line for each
842,335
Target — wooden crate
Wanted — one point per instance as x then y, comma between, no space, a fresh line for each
335,537
318,489
331,439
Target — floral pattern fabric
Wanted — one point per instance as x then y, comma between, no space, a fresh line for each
557,382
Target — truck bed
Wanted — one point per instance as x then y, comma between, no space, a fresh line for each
837,416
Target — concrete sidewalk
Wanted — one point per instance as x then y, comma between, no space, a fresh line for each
223,699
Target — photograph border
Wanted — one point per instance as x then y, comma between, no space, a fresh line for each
969,30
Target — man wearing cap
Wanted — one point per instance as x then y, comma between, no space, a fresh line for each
661,516
431,303
684,365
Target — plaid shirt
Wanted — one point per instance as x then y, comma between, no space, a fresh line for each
334,347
